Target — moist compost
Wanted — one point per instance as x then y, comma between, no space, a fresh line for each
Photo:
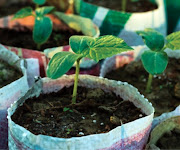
165,94
95,112
8,74
24,38
170,140
9,9
139,6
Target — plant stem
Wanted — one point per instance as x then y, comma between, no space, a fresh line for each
148,87
124,5
38,46
75,82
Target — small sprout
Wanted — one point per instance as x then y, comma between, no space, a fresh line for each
124,3
68,131
43,25
84,46
155,59
67,109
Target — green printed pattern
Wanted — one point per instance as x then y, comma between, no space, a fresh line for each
112,23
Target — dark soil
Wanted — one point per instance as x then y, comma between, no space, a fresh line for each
165,94
8,74
12,8
139,6
95,112
170,140
24,38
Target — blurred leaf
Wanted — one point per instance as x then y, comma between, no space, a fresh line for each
153,39
78,23
24,12
39,2
173,41
44,10
42,29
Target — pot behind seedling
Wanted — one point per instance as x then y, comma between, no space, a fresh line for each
168,127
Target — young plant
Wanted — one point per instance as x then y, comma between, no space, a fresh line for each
84,46
155,60
43,24
124,3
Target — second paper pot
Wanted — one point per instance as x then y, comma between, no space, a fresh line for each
132,135
123,24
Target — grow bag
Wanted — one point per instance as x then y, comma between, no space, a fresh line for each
76,22
120,60
10,92
124,24
162,128
132,135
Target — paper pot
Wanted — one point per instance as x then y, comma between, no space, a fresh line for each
10,92
132,135
124,24
162,128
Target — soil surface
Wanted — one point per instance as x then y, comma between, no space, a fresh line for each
170,140
139,6
24,38
165,94
8,74
95,112
12,8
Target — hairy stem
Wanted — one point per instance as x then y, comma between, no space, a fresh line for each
148,86
75,82
124,5
38,46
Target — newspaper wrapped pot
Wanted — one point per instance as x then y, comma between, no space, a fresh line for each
178,26
39,66
165,116
10,92
132,135
124,24
87,66
173,11
117,61
161,129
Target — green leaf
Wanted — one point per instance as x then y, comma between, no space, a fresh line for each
66,109
154,62
61,63
24,12
78,23
153,39
98,48
44,10
173,41
39,2
42,29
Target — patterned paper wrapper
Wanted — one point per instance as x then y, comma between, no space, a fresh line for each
166,125
123,24
10,92
76,22
132,135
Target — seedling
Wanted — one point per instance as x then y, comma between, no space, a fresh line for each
43,24
124,3
155,60
84,46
